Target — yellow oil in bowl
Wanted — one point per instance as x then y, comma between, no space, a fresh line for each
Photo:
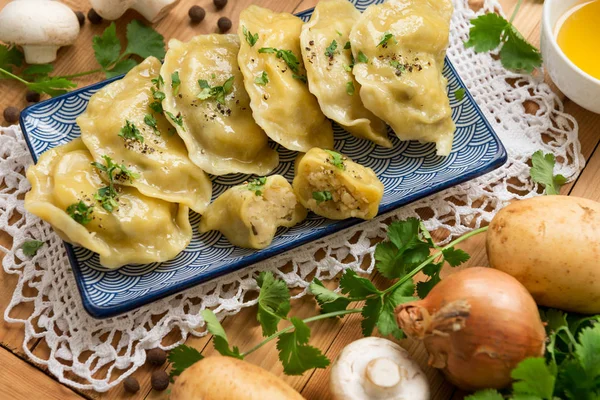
579,36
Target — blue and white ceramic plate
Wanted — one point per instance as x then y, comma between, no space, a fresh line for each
409,171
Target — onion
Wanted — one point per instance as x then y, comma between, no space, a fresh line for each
477,325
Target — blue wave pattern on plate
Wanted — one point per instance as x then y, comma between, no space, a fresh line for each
409,171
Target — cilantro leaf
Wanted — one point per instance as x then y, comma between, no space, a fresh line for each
355,286
433,271
542,172
404,234
273,302
486,32
459,94
350,88
386,321
331,49
219,336
81,212
53,86
257,185
151,122
587,350
322,196
295,353
301,78
181,358
388,260
262,80
31,247
250,38
534,377
120,68
177,119
38,71
175,82
370,313
10,55
518,54
287,56
347,46
455,257
385,39
218,92
336,159
328,300
131,132
488,394
362,57
144,41
106,196
107,47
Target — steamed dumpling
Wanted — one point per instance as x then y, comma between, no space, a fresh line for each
65,188
399,47
332,186
249,214
275,79
328,61
208,97
119,123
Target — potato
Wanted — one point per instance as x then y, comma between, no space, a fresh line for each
551,244
226,378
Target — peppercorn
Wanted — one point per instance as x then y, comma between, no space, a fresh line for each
80,18
159,380
11,114
94,17
131,384
224,24
32,97
156,356
196,14
220,4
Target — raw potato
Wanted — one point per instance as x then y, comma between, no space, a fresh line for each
551,244
226,378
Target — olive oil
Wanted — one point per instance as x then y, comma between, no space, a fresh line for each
579,37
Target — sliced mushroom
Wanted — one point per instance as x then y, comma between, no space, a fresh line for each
375,369
40,27
152,10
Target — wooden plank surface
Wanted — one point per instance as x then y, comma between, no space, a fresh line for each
20,380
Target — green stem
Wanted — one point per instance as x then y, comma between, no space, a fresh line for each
515,11
81,74
18,78
433,257
307,320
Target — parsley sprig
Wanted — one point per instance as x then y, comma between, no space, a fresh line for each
31,247
216,92
250,38
331,49
130,132
542,172
257,185
289,58
107,196
385,39
81,212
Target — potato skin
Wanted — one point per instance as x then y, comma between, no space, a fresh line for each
226,378
551,244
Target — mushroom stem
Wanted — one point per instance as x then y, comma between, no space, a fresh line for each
384,373
40,54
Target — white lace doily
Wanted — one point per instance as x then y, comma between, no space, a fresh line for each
58,317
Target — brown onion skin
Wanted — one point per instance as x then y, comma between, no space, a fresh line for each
500,321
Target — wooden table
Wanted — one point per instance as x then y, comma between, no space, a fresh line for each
20,379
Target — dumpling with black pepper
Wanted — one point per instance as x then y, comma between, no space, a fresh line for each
399,48
275,79
249,214
206,102
328,60
124,121
333,186
70,192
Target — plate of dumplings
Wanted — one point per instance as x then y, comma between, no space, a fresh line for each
238,147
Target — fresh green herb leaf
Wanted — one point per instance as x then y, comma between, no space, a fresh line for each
151,122
400,68
120,68
295,353
455,257
386,320
350,88
433,272
336,159
53,86
107,47
362,57
328,300
156,106
587,350
322,196
177,119
385,39
301,78
355,286
131,132
181,358
348,68
532,376
158,81
331,49
37,71
216,92
203,84
158,95
250,38
31,247
347,46
339,33
10,56
144,41
542,172
219,336
459,94
262,80
257,185
488,394
175,82
287,56
106,196
80,212
273,302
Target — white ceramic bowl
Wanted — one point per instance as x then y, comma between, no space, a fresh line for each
577,85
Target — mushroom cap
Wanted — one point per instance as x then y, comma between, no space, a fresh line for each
377,368
38,22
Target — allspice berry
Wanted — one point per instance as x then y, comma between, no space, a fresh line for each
156,356
196,14
159,380
224,24
131,384
80,18
220,4
32,97
11,114
94,17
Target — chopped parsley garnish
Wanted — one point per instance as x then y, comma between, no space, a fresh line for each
300,77
157,95
350,88
151,122
287,56
262,80
31,247
347,46
250,38
80,212
459,94
175,82
348,68
385,39
339,33
131,132
400,68
331,50
257,185
107,196
178,119
362,58
156,106
336,159
158,81
322,196
218,92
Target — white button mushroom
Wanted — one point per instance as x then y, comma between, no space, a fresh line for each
152,10
375,369
40,27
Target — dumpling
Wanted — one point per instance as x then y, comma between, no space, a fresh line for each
69,193
275,79
204,91
328,61
399,47
120,123
249,214
332,186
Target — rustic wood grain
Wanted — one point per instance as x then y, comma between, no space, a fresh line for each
22,381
